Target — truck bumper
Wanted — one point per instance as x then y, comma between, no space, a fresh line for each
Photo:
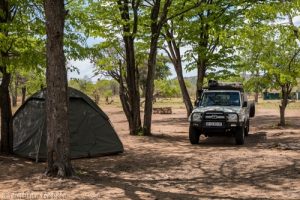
221,126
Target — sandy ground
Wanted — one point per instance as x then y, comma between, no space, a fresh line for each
167,166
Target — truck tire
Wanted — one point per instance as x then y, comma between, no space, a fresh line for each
240,135
252,109
247,128
194,135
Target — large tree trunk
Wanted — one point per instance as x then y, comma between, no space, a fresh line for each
5,103
58,136
133,88
6,113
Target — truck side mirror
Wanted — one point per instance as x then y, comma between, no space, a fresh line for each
245,104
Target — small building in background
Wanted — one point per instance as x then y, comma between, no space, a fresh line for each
271,95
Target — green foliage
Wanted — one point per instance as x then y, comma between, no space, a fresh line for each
102,88
281,59
167,88
22,38
162,70
234,38
34,82
210,32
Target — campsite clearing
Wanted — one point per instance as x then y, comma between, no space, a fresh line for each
167,166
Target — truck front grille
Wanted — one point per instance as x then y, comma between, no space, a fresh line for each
215,116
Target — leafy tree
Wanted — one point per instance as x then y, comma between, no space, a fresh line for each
142,20
211,34
167,88
119,18
174,37
20,47
281,62
251,51
110,60
272,50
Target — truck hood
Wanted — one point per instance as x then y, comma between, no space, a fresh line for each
218,108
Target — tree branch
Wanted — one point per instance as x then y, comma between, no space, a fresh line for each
293,58
184,11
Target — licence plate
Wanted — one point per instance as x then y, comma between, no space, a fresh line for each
214,124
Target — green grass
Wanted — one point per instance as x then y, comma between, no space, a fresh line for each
169,102
274,104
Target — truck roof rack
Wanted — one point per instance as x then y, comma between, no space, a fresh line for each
215,85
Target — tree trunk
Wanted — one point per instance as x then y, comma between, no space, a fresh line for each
185,94
203,44
284,103
256,97
201,67
256,86
282,115
5,103
133,93
124,97
157,21
6,113
15,92
23,94
175,57
150,86
133,89
58,136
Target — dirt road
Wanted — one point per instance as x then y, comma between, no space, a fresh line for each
166,166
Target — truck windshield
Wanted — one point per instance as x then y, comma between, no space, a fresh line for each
220,99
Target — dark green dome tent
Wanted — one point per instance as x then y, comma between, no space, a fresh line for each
90,129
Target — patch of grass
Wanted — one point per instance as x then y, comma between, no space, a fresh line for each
169,102
274,104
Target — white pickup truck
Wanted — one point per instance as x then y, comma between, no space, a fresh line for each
221,110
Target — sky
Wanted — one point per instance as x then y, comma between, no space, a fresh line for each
85,67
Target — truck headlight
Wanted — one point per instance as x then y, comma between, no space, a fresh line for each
232,117
197,117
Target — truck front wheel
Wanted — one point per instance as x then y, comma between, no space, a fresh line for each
194,135
247,128
240,135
